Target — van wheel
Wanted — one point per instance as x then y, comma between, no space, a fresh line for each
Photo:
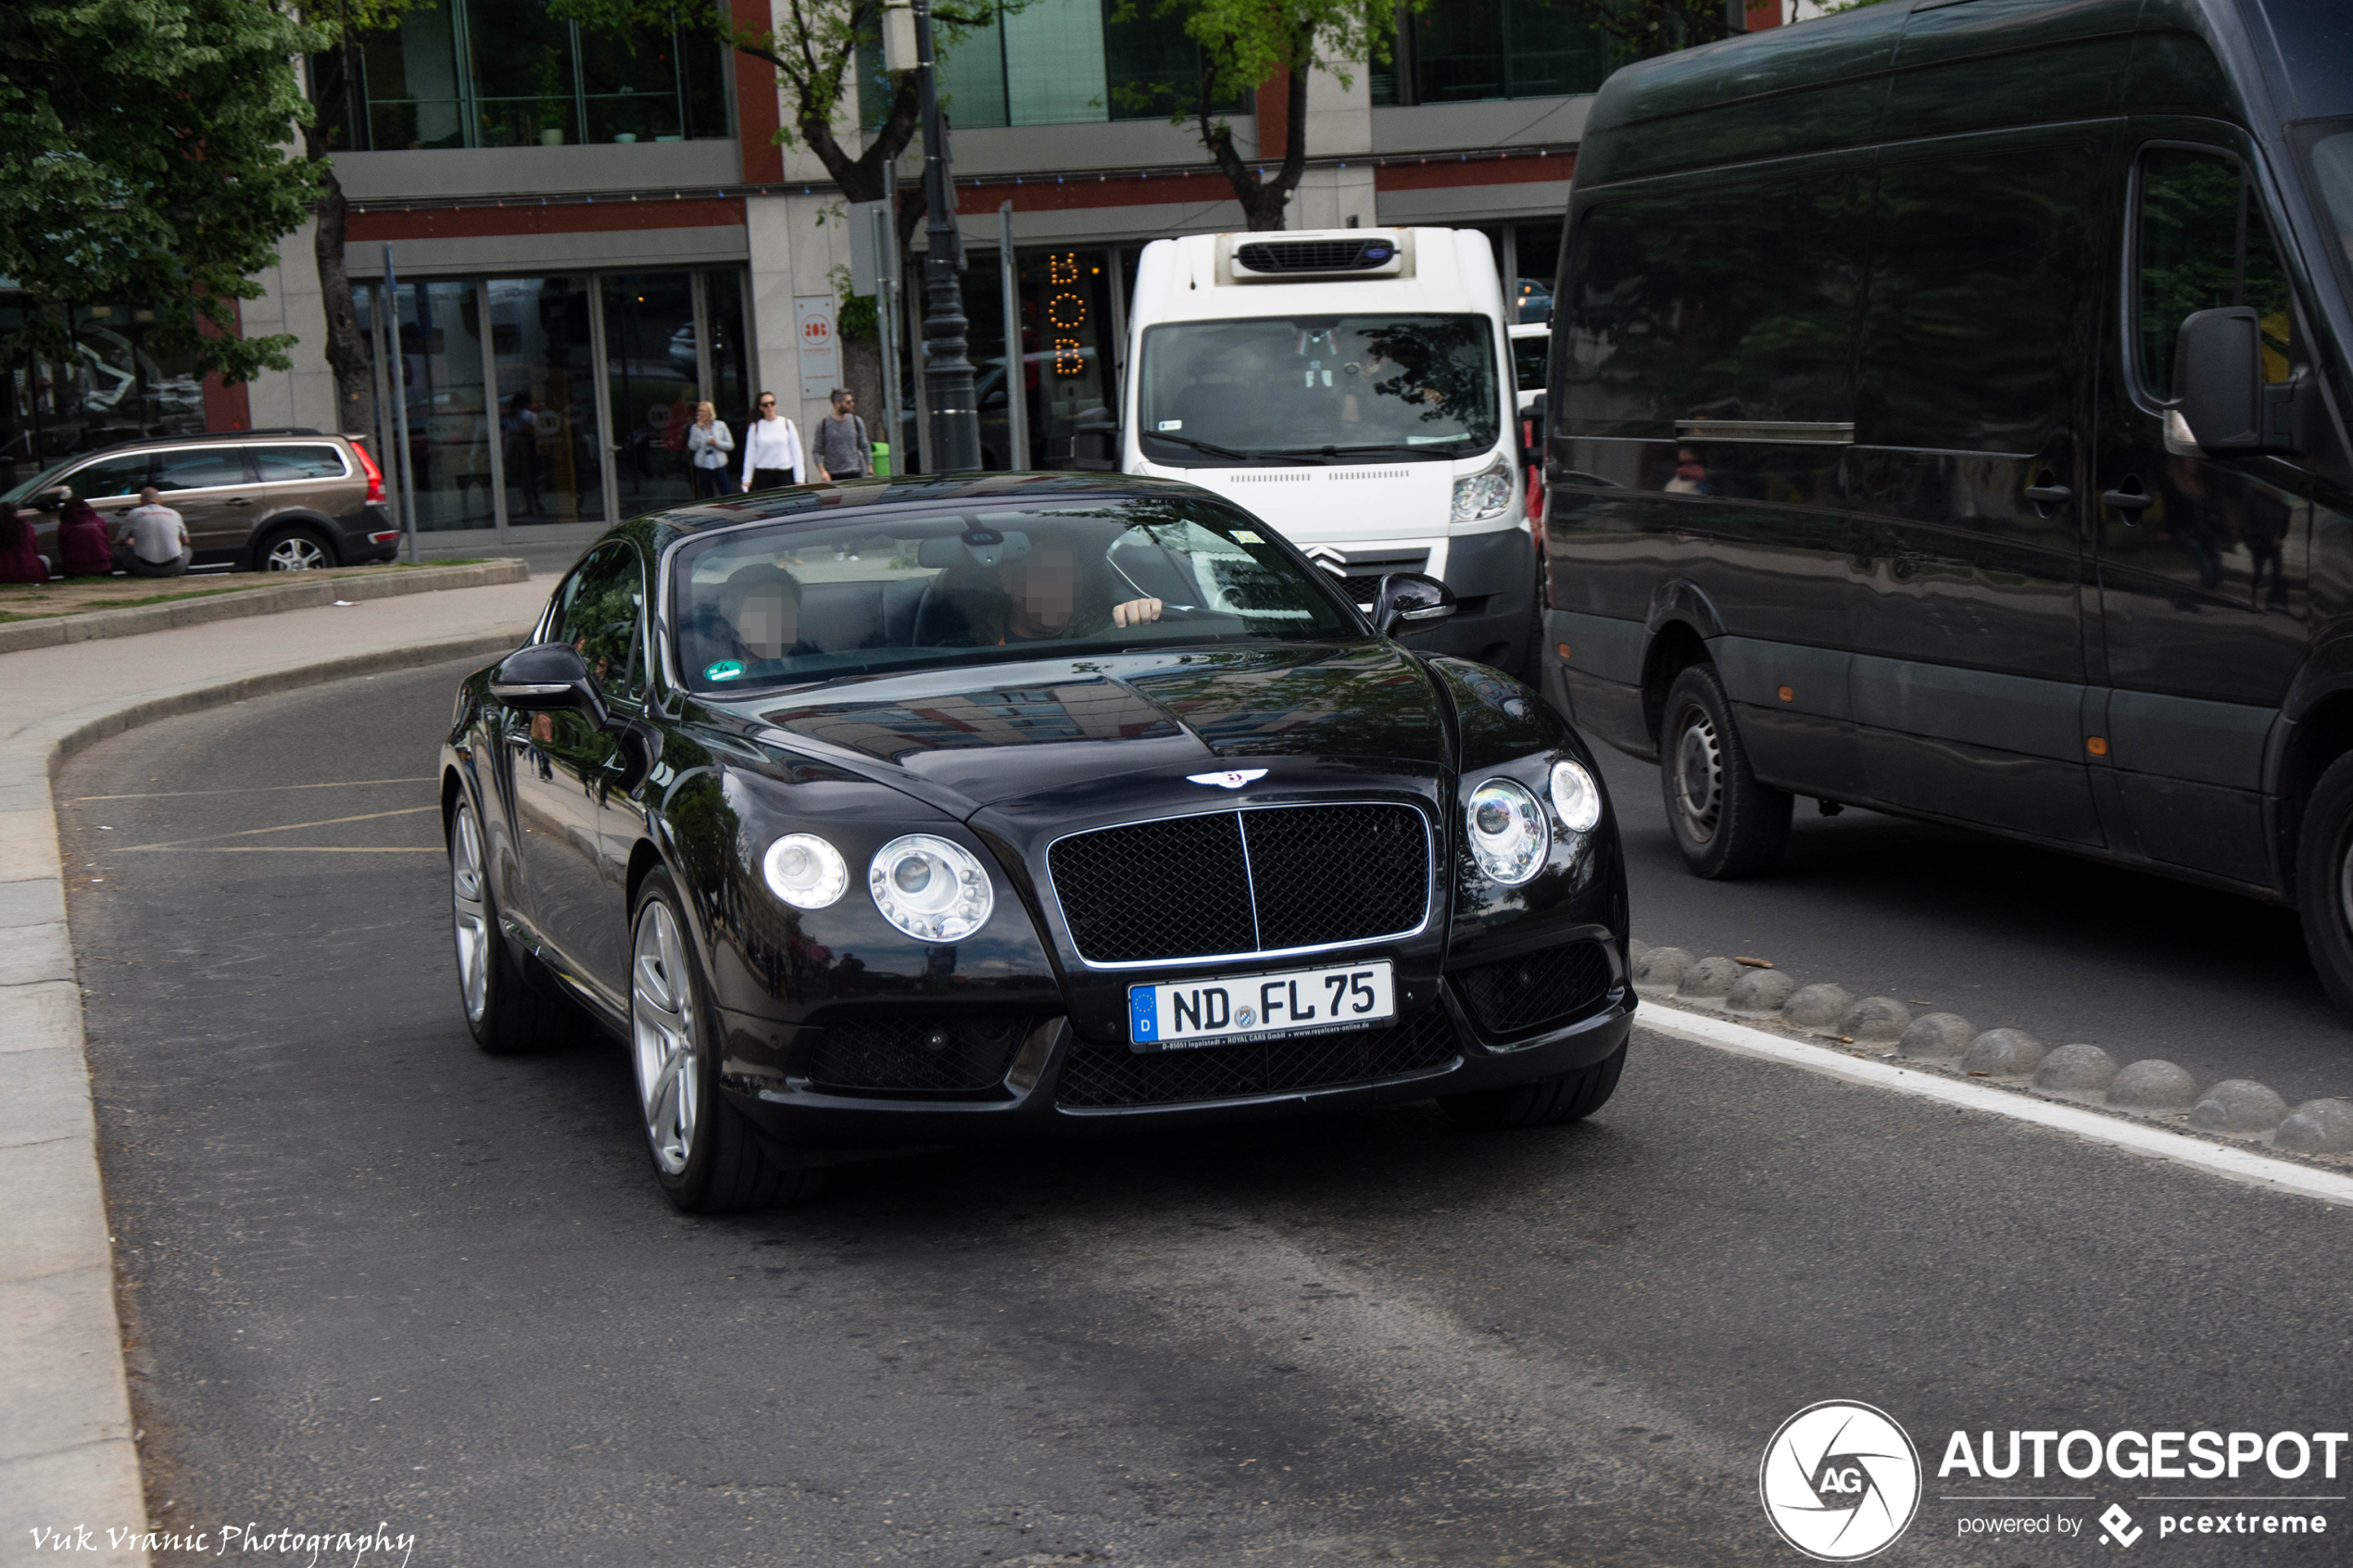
1726,823
2324,881
298,549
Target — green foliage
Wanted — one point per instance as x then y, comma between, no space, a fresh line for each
146,163
858,317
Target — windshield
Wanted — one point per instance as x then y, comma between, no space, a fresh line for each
798,602
2327,151
1314,387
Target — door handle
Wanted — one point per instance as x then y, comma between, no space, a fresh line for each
2049,495
2128,501
240,501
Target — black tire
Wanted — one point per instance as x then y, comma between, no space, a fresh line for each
1565,1097
2324,881
294,550
710,1160
1727,824
509,1015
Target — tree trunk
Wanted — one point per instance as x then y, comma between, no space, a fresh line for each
348,349
1262,200
861,373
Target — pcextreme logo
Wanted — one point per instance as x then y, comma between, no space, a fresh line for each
1840,1481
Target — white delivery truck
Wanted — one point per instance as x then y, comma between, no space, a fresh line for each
1353,388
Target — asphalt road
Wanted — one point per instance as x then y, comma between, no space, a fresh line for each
2006,936
371,1274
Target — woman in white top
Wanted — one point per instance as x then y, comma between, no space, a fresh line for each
771,448
708,444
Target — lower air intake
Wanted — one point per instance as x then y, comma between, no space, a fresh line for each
1096,1076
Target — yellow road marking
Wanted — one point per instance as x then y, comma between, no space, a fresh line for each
255,789
288,827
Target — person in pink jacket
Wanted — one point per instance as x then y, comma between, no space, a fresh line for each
83,549
20,562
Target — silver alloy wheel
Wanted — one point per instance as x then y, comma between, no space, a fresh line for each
296,552
662,1030
1699,775
2345,880
470,913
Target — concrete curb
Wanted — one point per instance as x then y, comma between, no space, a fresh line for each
67,1448
2318,1133
306,594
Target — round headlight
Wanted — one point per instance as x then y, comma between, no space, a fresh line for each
1507,833
1576,797
805,870
933,890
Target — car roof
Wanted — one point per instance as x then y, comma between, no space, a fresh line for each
843,499
199,438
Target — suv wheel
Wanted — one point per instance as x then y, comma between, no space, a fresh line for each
1726,823
298,549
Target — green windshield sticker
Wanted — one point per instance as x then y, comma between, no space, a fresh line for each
725,669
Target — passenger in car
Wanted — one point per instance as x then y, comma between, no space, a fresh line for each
754,618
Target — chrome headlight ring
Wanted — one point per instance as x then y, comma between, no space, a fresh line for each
932,888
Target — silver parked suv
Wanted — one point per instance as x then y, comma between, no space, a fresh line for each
270,500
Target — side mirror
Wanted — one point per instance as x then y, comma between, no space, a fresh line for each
2232,412
549,678
1094,442
1532,428
50,500
1410,602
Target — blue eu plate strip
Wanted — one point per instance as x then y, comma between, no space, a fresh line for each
1143,1016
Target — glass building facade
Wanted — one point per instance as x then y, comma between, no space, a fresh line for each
114,385
1057,62
505,73
1474,49
559,399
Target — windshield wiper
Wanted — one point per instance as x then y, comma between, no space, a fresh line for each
1391,448
1201,445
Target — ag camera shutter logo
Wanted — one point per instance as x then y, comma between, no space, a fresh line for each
1840,1481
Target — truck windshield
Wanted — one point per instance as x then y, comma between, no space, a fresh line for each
2327,151
1317,388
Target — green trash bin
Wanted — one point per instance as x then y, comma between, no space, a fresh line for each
882,460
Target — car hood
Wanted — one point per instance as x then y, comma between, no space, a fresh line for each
965,738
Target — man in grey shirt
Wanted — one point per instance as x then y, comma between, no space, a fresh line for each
153,540
843,451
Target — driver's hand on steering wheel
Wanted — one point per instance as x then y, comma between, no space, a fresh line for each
1135,612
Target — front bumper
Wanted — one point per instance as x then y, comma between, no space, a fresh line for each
1040,1095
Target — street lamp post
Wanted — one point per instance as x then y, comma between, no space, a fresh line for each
955,421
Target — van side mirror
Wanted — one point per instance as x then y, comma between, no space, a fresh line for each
1411,602
1094,442
2221,395
1533,427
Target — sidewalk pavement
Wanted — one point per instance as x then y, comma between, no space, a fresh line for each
68,1455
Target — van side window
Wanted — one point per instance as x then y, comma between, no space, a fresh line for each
2203,245
1976,262
1737,302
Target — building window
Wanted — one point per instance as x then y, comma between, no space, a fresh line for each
1475,49
111,385
505,73
1058,62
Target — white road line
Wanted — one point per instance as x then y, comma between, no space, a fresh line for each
282,827
2235,1162
256,789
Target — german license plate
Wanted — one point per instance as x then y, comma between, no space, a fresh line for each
1187,1014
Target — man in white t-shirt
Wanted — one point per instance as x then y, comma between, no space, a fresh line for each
153,540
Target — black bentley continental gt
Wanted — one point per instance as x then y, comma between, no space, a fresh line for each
895,813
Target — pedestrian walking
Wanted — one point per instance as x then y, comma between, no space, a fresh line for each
153,540
82,541
771,448
20,562
708,444
843,450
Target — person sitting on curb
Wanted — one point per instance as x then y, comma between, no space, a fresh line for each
153,540
20,562
82,541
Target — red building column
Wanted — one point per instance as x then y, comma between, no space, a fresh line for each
756,114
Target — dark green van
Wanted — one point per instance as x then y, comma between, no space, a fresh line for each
1947,414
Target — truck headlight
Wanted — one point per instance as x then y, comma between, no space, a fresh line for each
1484,494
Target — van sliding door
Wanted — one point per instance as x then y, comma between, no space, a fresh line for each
1972,397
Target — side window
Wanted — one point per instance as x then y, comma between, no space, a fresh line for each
201,467
2203,245
602,606
1735,302
296,462
110,476
1976,298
